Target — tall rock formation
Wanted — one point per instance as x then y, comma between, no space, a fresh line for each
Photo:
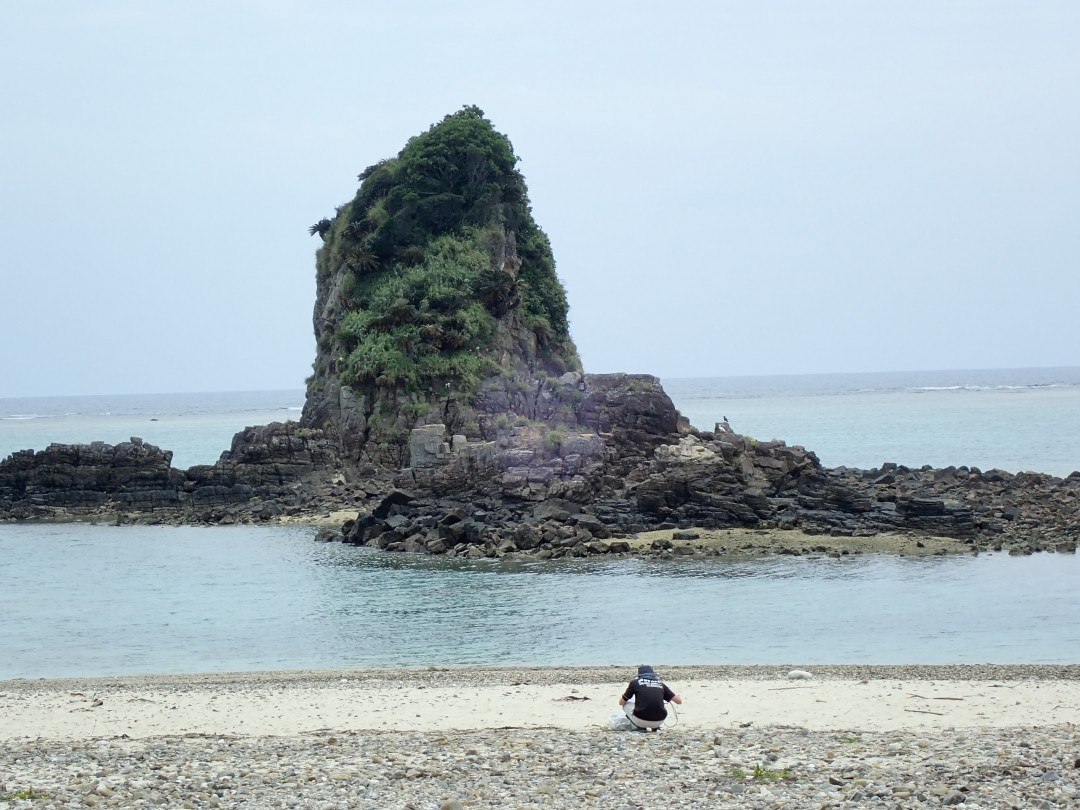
437,300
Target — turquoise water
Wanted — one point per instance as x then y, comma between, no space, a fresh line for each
95,600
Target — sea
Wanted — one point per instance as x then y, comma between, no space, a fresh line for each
99,600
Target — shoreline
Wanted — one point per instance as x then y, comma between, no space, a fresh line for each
573,698
726,544
537,737
736,543
539,674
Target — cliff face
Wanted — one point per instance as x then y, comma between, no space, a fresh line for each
437,299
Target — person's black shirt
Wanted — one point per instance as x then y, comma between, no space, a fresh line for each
649,694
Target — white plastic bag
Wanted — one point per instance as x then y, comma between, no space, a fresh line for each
620,722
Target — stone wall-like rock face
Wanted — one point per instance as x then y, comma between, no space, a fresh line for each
86,476
265,464
633,408
606,420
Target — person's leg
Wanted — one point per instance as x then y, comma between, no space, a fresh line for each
639,724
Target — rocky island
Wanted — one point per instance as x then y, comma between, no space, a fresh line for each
448,413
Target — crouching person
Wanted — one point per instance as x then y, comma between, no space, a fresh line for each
644,699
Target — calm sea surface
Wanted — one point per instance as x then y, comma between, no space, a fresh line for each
99,600
85,600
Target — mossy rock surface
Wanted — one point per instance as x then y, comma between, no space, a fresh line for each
434,283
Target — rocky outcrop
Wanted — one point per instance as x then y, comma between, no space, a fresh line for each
268,471
86,477
581,496
611,458
437,299
574,428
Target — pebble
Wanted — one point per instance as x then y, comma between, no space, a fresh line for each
756,768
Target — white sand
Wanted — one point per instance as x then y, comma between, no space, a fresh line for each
295,703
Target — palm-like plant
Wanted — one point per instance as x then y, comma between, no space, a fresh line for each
360,259
357,230
322,227
499,291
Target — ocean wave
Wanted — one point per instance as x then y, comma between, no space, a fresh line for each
1027,387
22,417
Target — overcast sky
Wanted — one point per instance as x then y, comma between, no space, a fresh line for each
730,188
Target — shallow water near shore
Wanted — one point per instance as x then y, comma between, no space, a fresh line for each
82,600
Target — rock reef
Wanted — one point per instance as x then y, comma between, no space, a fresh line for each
267,470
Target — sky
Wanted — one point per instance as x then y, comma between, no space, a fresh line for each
730,188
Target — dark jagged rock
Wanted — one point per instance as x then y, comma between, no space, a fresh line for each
550,492
542,503
268,470
133,474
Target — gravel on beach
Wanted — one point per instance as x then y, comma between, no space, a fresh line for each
773,767
732,766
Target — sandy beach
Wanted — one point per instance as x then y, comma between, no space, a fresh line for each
430,700
745,737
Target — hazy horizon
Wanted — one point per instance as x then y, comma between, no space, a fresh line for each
669,378
729,190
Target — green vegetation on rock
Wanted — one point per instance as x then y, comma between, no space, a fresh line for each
444,278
